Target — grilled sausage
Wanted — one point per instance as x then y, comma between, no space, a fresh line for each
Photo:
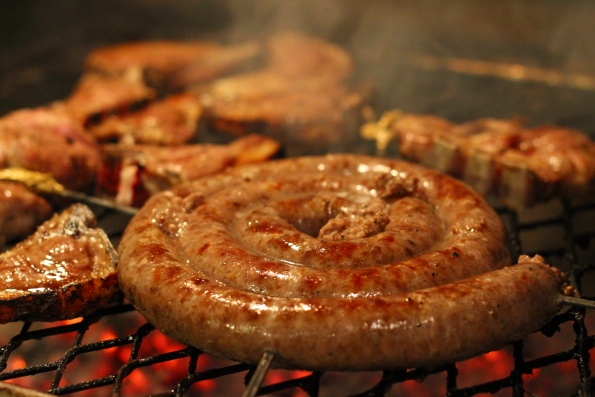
341,262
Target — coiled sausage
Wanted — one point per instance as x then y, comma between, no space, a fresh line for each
338,262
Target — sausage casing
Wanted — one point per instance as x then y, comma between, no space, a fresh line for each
352,282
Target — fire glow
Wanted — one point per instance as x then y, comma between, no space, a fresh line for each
122,353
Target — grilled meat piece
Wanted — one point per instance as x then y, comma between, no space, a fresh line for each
551,161
170,65
519,165
96,96
295,55
49,140
300,95
162,55
21,211
130,174
171,121
66,269
319,117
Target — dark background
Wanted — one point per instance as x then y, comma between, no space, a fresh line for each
43,44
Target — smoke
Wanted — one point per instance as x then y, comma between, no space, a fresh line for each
50,41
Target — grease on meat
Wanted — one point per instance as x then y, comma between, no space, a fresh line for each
520,166
240,262
66,269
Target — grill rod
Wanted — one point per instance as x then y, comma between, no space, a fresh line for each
574,301
43,183
259,374
268,356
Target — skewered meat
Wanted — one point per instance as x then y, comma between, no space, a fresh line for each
21,211
49,140
520,166
133,173
340,262
66,269
171,121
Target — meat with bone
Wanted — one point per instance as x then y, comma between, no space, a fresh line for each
519,165
340,262
66,269
130,174
49,140
171,121
21,211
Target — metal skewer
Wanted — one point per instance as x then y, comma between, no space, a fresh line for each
259,373
504,70
572,300
43,183
84,198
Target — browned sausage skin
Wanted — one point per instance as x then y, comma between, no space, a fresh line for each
352,282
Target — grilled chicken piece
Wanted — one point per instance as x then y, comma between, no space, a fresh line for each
300,96
66,269
171,121
521,166
96,96
21,211
130,174
49,140
171,65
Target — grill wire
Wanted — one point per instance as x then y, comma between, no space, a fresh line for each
572,250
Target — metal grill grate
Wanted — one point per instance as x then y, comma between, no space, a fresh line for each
104,353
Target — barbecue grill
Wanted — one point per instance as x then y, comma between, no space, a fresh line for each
426,64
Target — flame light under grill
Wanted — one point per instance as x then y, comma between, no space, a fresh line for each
116,352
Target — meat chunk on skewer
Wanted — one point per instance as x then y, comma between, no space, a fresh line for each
519,165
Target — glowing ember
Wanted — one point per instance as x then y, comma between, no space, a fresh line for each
123,352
